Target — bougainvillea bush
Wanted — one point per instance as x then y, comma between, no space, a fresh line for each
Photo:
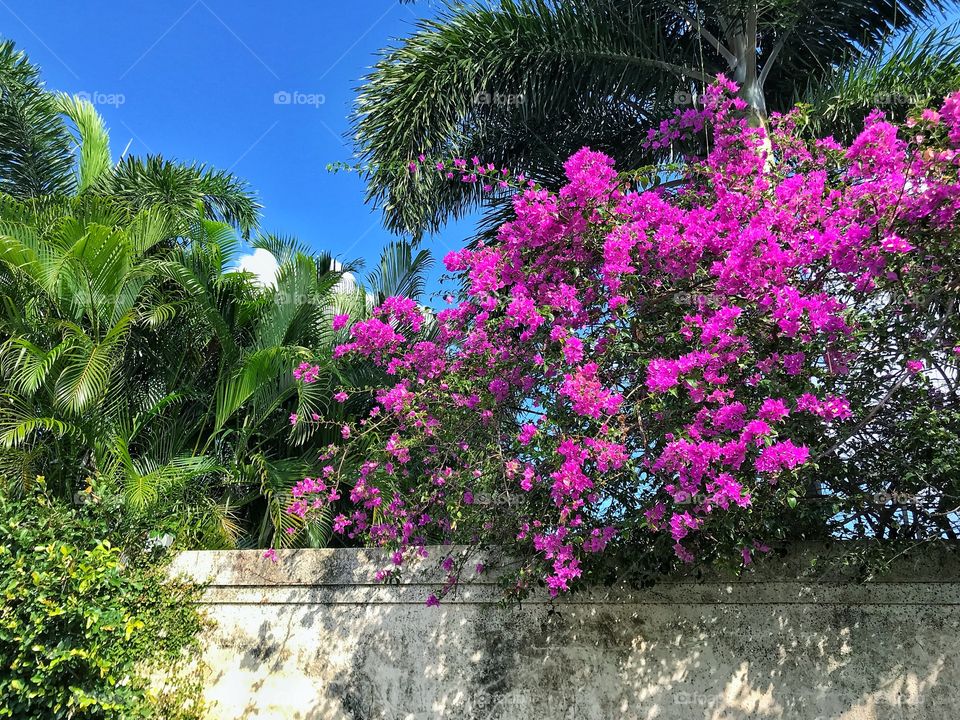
650,375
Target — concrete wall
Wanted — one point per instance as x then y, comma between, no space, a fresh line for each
314,636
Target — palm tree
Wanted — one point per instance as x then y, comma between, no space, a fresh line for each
235,393
35,157
525,83
76,277
135,359
163,374
52,145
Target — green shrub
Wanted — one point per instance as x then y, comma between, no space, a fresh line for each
85,627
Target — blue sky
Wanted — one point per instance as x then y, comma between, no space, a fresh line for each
197,80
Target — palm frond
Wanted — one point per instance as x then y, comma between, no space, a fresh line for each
35,145
284,248
523,85
27,365
257,369
87,365
919,69
184,190
401,271
90,137
19,420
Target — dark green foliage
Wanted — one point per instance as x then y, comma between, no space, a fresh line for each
35,145
525,83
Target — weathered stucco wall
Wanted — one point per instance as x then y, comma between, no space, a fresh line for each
314,636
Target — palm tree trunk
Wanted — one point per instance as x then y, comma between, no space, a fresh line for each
741,38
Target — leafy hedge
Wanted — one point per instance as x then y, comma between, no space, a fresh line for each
84,626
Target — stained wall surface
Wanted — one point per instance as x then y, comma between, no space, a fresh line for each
314,636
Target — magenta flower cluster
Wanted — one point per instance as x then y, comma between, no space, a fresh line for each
629,361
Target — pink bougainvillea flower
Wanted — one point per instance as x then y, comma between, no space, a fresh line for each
631,362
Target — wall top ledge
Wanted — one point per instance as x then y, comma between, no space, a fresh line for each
354,569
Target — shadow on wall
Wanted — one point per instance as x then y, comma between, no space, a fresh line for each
315,637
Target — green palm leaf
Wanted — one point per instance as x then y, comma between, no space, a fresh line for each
29,366
258,369
525,83
919,69
182,189
35,145
19,420
401,271
87,365
91,139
